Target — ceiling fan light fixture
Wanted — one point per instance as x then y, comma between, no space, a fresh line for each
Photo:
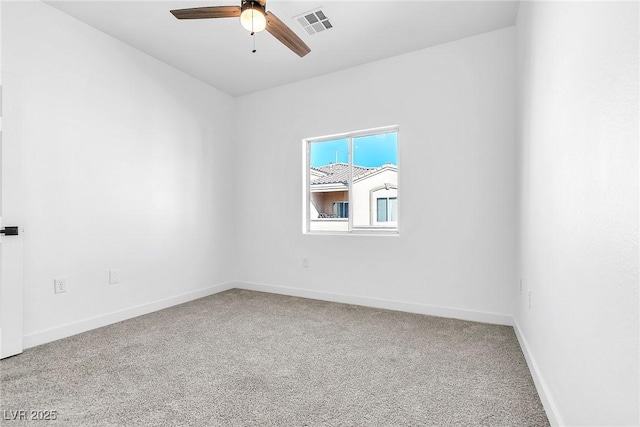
253,17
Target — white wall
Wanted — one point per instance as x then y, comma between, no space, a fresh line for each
127,166
454,104
578,136
1,287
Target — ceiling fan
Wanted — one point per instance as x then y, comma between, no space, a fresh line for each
253,17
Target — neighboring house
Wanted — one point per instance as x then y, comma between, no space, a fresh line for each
374,199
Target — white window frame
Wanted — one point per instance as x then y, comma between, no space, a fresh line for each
393,230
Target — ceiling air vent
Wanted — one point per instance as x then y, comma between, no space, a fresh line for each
314,21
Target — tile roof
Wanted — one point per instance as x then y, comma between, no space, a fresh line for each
338,173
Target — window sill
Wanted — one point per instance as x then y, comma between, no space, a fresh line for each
375,233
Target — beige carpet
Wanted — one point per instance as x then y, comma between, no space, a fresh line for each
251,358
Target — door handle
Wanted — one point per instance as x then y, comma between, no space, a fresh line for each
9,231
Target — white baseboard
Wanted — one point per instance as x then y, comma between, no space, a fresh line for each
541,386
48,335
431,310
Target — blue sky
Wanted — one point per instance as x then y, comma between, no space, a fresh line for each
370,151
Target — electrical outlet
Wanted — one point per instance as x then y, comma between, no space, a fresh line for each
59,286
305,262
114,276
529,298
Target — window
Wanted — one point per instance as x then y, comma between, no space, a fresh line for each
341,209
387,209
351,182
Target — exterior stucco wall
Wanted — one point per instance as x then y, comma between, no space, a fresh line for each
365,195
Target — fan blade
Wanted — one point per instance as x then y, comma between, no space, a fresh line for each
279,30
207,12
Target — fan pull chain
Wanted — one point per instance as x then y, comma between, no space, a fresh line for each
253,33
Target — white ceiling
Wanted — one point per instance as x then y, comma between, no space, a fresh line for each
218,51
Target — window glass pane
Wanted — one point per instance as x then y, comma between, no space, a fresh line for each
382,210
328,185
375,177
393,209
373,151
